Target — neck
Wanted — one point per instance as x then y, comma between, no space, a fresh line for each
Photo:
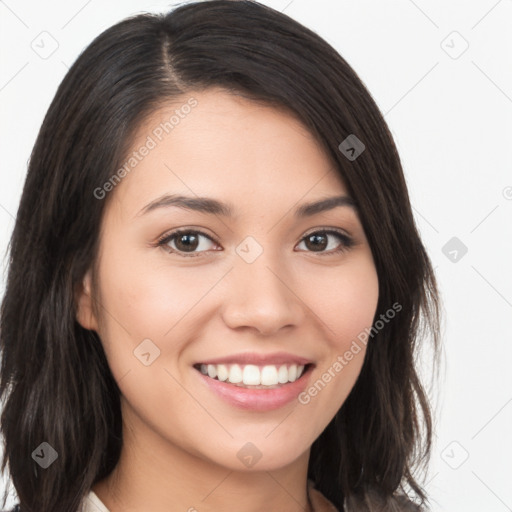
154,474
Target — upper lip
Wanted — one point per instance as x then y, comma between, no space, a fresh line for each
258,359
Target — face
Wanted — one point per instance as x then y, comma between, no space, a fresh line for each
266,298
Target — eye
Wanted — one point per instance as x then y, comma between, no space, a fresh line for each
184,241
318,240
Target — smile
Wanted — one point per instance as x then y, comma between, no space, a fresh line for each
254,376
256,382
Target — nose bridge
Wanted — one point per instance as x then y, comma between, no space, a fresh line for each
259,294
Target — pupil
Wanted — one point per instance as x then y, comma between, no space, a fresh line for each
316,238
191,245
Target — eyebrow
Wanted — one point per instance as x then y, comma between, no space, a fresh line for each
213,206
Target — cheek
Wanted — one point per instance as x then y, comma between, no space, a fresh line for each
347,308
345,302
147,310
148,300
145,298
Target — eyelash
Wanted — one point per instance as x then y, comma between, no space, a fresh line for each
346,244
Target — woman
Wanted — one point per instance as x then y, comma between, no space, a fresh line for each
216,287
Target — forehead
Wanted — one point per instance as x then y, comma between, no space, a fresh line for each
213,143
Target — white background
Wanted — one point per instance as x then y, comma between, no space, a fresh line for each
450,112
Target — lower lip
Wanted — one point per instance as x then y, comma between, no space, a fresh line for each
258,399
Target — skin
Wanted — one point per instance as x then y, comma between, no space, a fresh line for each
180,439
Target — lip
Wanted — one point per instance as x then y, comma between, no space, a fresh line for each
258,359
257,399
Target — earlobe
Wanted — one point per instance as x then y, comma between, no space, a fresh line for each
85,315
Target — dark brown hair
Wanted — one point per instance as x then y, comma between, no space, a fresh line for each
55,382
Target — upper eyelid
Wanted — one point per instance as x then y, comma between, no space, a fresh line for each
338,231
170,235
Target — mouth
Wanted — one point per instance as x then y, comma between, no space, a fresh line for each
254,376
256,382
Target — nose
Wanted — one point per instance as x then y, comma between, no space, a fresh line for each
261,295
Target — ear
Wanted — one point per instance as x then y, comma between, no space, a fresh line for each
85,315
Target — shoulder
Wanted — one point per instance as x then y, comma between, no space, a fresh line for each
373,502
318,501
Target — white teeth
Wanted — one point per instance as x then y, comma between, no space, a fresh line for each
212,371
292,373
235,374
269,376
252,375
222,372
282,375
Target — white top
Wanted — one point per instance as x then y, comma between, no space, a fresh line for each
320,504
93,504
